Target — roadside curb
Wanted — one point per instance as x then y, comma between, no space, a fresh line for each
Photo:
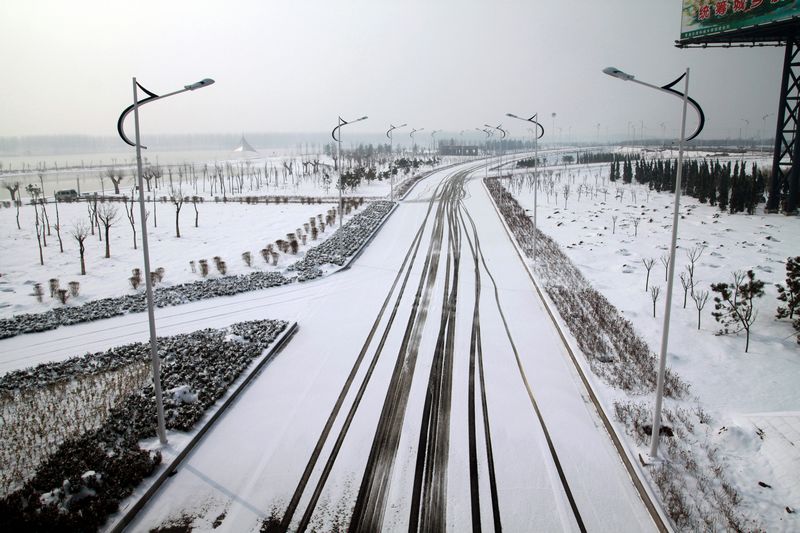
630,462
130,513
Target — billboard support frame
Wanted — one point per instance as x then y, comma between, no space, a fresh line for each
783,191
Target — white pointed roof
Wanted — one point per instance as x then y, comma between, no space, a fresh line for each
244,147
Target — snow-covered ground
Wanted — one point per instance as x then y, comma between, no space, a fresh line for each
751,397
225,230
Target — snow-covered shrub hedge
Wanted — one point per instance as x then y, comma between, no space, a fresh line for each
344,243
614,350
136,303
335,250
85,478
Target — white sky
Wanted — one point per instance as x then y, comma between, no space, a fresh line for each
293,66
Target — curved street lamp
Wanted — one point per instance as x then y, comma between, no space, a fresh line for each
489,133
662,362
391,143
503,134
155,361
538,134
342,122
413,131
433,138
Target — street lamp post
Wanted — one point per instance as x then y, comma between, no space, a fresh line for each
433,139
537,135
488,133
413,131
503,132
662,361
391,145
342,122
155,361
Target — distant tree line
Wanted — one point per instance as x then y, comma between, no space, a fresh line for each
727,185
584,158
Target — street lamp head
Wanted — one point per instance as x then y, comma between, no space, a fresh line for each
617,73
202,83
512,115
361,118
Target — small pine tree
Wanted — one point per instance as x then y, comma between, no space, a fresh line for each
791,293
734,308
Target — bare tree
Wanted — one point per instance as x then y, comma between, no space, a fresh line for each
693,255
648,264
655,293
614,224
700,298
129,214
196,212
43,200
665,261
565,191
176,197
33,191
107,213
116,178
636,221
58,228
13,190
79,233
686,286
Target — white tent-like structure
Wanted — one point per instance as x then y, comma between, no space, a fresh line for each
244,150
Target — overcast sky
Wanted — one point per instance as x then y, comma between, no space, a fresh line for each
293,66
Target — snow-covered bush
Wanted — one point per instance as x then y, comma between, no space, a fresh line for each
87,473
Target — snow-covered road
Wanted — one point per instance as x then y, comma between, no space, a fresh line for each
426,389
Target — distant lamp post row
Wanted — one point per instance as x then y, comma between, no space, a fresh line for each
342,122
503,134
662,361
391,149
156,363
539,133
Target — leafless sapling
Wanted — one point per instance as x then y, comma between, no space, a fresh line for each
196,212
58,229
13,190
116,178
699,298
43,200
107,214
176,197
655,293
665,261
128,208
80,232
565,192
614,224
33,191
648,263
685,283
636,221
693,254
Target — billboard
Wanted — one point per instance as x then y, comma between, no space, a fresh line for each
711,17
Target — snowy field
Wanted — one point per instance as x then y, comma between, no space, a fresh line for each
225,230
751,398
